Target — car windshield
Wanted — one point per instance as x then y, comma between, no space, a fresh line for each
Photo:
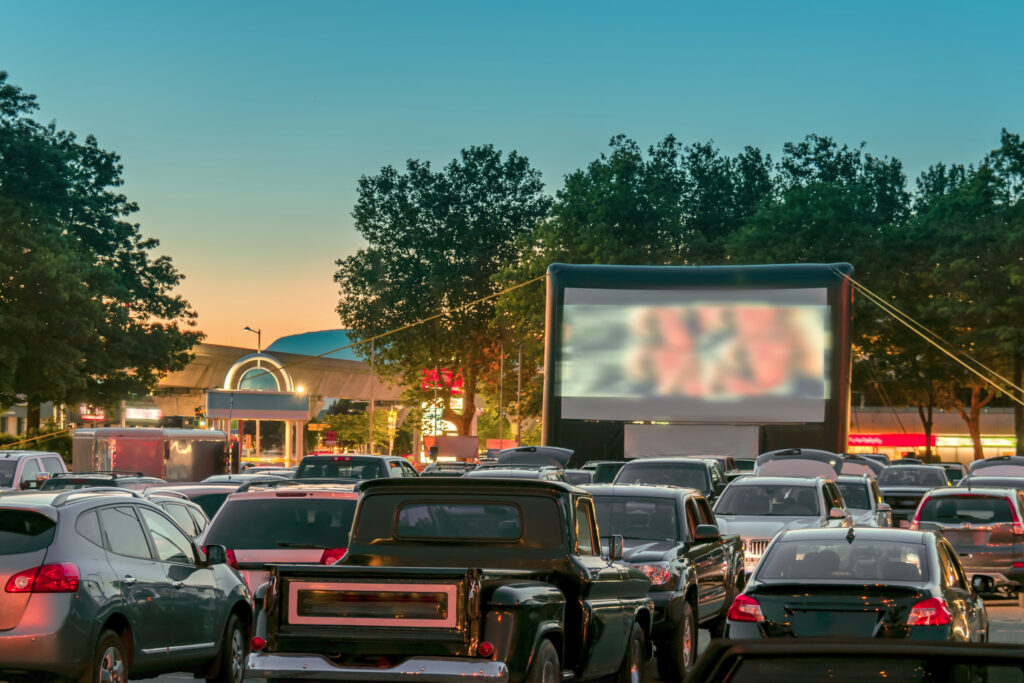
23,531
7,468
340,467
855,494
907,475
689,475
460,521
648,519
265,523
770,500
839,559
971,508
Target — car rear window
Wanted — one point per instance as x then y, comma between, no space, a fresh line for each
648,519
210,502
972,508
23,531
769,500
264,523
460,521
913,476
7,468
855,494
692,476
831,560
343,467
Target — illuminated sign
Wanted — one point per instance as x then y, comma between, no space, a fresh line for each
966,442
430,381
148,414
88,413
890,440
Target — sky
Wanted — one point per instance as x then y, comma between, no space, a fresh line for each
244,126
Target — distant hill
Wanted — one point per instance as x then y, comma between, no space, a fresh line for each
316,343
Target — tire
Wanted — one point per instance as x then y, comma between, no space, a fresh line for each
632,668
230,665
677,653
545,668
108,663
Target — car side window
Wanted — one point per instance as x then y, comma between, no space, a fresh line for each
88,527
691,517
199,520
180,515
53,464
395,469
123,533
409,470
876,492
29,470
716,477
706,516
171,545
950,576
833,499
586,541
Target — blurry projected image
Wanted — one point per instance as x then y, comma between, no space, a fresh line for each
747,355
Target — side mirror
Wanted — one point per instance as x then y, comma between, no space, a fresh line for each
836,513
706,532
884,507
216,554
983,584
615,548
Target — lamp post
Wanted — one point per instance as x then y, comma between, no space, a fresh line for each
259,349
257,332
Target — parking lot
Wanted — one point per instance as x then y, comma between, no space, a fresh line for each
1006,624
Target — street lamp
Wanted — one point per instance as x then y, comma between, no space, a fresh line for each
257,333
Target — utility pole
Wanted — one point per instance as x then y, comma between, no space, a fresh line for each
519,397
501,396
371,396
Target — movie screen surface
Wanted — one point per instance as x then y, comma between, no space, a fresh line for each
736,355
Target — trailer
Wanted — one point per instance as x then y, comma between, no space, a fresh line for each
170,454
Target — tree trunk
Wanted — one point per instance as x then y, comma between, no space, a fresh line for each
1018,409
925,413
972,416
31,416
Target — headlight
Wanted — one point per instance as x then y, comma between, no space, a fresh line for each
657,572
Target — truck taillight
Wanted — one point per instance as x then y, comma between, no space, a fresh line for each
49,578
332,555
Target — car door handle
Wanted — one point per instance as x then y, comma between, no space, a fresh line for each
176,584
129,581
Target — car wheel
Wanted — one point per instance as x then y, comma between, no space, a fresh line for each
632,669
677,653
109,664
546,667
233,649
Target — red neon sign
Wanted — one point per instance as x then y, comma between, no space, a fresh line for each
891,440
430,381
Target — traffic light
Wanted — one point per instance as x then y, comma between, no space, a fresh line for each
200,418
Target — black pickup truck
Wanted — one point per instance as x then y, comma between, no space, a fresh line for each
671,535
452,579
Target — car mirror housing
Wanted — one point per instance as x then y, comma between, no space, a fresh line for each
836,513
706,532
983,584
615,548
216,554
884,507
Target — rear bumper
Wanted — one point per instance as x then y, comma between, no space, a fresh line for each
312,666
745,630
48,639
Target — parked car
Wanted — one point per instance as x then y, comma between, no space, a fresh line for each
809,462
866,583
845,660
758,508
579,477
22,470
102,585
548,606
542,472
207,496
286,472
244,478
955,471
354,467
80,480
986,528
190,517
728,464
670,535
293,524
864,500
903,487
703,474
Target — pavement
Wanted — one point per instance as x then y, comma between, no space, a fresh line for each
1005,618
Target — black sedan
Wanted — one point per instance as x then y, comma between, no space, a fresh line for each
866,583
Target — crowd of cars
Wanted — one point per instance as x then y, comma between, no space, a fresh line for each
122,573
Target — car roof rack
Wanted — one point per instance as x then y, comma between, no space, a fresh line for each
113,473
311,481
62,497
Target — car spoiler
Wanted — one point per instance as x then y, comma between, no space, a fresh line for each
535,455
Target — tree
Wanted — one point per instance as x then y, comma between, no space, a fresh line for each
87,313
434,241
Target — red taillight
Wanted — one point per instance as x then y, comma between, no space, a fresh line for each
1018,528
745,608
1018,565
50,578
332,555
486,649
916,524
930,612
257,643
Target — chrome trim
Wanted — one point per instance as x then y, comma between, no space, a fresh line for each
177,648
312,666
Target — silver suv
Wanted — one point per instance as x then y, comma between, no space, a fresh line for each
100,584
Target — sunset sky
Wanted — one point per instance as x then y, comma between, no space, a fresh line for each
244,126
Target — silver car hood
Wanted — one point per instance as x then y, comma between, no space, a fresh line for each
755,526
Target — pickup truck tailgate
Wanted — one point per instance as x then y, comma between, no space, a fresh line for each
373,611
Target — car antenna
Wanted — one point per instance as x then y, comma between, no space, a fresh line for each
850,535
